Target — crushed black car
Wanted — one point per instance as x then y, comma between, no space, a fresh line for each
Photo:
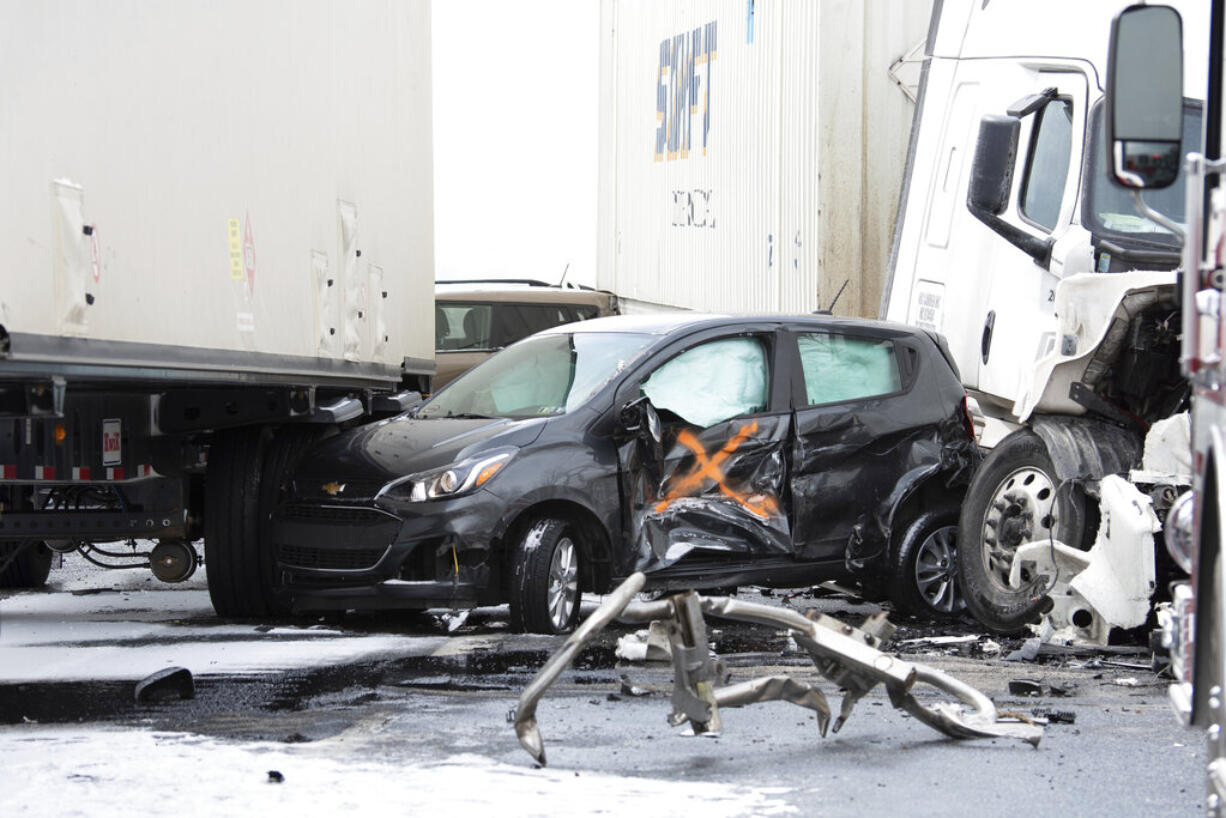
705,451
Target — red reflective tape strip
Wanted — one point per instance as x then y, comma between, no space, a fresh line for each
114,473
80,473
44,472
9,472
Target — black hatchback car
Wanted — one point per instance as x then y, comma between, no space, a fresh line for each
707,451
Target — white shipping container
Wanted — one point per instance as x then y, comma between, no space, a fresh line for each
229,177
752,151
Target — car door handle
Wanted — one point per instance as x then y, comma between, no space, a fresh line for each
985,345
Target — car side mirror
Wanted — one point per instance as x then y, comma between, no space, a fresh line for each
639,416
1145,96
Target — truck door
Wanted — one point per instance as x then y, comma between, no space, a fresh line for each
1015,327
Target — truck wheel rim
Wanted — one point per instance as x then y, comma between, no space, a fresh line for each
1022,509
935,567
563,583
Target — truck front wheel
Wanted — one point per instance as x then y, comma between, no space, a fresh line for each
1015,498
246,470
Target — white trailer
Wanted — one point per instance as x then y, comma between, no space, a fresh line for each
217,247
751,152
1059,302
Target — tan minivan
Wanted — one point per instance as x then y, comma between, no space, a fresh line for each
474,319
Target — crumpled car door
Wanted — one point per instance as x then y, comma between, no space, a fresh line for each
712,487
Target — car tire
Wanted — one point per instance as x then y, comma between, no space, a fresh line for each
29,568
544,591
924,579
242,485
1014,498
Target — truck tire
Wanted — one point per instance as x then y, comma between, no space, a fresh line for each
245,472
544,591
924,579
1014,498
30,566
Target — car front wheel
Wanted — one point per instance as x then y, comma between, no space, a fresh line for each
545,578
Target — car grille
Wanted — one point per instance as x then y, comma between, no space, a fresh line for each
334,559
336,514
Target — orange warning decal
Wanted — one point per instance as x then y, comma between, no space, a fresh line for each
708,468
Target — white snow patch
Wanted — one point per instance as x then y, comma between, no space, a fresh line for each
132,633
99,773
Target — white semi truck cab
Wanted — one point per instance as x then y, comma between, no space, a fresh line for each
1060,305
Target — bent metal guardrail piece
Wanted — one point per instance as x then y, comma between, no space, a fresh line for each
845,655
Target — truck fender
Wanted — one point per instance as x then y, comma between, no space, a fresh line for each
1087,448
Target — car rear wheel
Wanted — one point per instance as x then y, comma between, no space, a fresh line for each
924,577
1015,498
545,578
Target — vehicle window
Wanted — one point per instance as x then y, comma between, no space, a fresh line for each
462,326
841,368
1111,206
712,382
542,376
1047,165
515,321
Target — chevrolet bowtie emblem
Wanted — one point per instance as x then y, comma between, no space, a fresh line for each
333,489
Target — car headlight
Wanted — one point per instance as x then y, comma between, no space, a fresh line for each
449,481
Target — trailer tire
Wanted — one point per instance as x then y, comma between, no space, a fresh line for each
30,566
1014,498
545,576
245,473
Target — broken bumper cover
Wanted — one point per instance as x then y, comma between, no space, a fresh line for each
847,656
337,557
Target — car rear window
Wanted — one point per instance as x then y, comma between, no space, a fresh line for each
840,368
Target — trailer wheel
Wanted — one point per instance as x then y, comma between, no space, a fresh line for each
924,579
245,473
30,564
545,578
1014,498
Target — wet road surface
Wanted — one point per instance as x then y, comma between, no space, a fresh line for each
407,694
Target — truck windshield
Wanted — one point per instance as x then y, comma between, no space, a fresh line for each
1109,208
540,376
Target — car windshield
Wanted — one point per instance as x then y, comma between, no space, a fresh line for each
1111,208
540,376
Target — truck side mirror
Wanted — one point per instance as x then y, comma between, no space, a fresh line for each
992,170
1145,96
992,179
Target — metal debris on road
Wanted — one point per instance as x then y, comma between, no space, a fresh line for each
847,656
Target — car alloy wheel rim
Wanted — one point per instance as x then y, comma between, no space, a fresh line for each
563,583
1022,509
935,568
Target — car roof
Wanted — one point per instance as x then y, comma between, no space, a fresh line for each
518,293
663,323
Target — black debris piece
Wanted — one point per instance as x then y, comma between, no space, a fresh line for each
165,684
275,777
1056,716
1025,687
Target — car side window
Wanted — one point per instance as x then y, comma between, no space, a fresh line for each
712,382
1047,164
841,367
461,326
